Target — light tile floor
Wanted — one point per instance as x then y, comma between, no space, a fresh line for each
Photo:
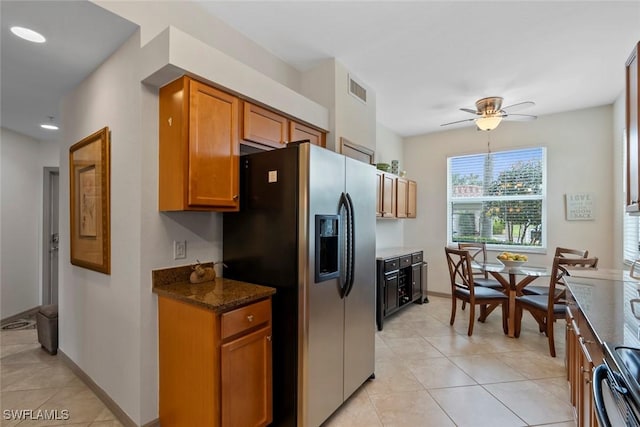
31,379
431,374
427,374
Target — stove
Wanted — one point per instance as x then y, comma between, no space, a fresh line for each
616,387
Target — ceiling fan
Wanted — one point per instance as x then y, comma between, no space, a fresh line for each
489,112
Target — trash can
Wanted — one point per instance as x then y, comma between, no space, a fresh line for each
47,324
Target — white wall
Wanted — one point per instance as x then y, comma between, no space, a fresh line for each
99,314
354,120
580,158
154,16
389,232
21,176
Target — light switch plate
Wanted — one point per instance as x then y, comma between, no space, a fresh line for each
179,249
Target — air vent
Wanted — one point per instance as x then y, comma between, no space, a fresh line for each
357,90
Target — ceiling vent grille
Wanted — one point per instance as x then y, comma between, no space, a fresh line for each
357,90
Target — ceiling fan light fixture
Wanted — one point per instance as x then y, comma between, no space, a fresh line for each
488,122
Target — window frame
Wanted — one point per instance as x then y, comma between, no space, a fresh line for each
543,197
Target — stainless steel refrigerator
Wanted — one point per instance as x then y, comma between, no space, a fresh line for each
306,226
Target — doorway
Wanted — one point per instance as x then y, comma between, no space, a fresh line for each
50,236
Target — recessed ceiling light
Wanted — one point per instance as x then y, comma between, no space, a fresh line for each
49,126
28,34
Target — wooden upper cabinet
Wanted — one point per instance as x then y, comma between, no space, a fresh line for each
298,131
412,199
633,137
388,196
199,148
402,190
264,127
275,130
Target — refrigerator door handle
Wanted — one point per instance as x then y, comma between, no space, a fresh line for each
352,244
345,255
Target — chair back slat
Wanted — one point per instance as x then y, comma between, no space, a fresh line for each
571,253
460,271
478,253
561,268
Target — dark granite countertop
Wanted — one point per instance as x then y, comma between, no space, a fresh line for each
605,299
219,295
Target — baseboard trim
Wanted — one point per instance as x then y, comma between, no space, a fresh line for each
29,312
102,395
439,294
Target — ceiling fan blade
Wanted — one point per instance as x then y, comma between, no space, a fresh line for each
519,117
518,106
458,121
469,110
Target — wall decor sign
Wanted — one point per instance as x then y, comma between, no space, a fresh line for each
89,184
579,206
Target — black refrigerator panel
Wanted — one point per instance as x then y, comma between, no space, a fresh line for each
260,246
260,241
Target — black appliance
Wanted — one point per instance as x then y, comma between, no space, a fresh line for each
616,387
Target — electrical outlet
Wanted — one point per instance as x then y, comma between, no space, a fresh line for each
179,249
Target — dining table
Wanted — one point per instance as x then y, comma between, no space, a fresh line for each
513,280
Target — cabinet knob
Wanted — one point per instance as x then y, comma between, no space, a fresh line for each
268,337
235,197
250,318
170,121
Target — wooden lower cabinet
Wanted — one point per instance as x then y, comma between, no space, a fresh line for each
215,369
583,353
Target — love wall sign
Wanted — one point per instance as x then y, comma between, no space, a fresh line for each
580,206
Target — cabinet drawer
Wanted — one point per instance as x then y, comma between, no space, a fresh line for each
416,258
391,265
241,319
405,261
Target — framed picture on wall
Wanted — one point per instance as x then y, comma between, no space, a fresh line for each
89,182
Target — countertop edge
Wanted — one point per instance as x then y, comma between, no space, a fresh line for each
258,292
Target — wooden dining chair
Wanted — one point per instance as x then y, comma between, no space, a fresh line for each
463,288
545,309
478,253
560,252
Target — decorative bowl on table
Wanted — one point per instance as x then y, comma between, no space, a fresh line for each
510,259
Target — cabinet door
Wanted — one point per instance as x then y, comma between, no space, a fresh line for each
633,137
299,132
402,188
379,185
213,148
391,293
416,281
264,127
412,199
388,196
586,410
246,380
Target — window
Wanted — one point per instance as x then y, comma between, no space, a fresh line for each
630,224
498,198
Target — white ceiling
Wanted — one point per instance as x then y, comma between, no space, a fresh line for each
34,77
424,59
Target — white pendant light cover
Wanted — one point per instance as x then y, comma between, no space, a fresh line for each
488,122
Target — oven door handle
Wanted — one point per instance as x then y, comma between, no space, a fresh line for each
599,375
